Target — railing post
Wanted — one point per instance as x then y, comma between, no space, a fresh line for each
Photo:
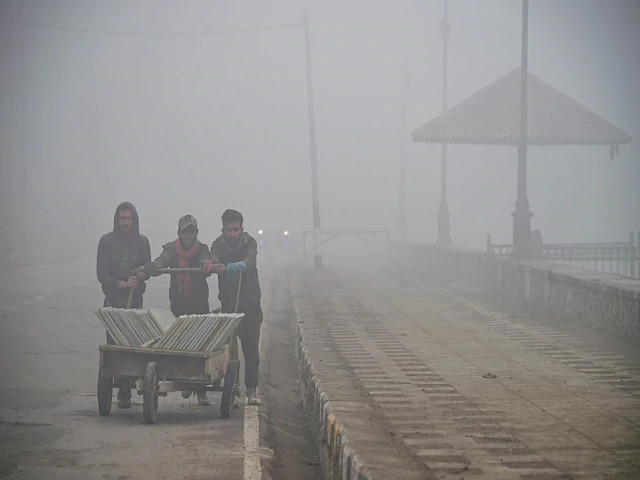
633,255
637,252
304,247
488,243
630,256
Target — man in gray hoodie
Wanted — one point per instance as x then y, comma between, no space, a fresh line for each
120,253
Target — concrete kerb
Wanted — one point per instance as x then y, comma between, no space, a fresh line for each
339,461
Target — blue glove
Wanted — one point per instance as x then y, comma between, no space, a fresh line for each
234,267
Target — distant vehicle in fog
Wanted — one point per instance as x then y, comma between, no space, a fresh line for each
277,229
277,241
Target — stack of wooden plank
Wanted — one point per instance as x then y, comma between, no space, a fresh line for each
199,333
132,327
159,328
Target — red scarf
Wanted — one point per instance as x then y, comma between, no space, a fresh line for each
183,262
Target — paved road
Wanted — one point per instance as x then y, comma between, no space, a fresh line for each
49,426
451,388
429,382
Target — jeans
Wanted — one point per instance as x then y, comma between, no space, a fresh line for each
249,333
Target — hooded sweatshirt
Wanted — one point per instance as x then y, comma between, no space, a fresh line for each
118,256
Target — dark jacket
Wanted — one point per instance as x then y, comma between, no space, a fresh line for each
198,302
246,250
118,255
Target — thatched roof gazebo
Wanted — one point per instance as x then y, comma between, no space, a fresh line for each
491,117
500,115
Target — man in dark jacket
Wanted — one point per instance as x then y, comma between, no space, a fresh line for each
120,252
188,292
233,252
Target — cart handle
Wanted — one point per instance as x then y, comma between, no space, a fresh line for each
234,340
176,270
130,298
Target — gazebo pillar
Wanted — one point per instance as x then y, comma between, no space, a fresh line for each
522,215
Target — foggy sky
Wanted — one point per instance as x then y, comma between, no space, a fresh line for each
109,101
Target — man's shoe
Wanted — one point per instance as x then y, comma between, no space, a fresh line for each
186,393
252,396
203,399
124,398
236,400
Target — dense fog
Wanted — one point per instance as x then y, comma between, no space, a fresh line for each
198,106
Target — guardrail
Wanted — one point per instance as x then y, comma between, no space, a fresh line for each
622,258
369,238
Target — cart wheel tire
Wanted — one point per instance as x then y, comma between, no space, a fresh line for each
150,393
229,389
105,394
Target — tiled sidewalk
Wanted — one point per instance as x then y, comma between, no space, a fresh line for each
409,381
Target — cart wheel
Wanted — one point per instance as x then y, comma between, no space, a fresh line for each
150,393
105,394
229,389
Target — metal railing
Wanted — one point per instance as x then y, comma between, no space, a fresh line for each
369,238
622,258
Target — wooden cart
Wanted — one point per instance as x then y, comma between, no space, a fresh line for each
157,372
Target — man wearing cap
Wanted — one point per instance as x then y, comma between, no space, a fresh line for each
188,292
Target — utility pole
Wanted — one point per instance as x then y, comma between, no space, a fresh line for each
444,235
522,215
402,214
21,140
317,258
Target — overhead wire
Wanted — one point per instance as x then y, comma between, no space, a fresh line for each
88,31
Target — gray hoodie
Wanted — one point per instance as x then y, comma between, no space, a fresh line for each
118,255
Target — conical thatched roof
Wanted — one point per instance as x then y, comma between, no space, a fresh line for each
492,117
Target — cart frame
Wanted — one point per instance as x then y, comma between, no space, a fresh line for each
157,372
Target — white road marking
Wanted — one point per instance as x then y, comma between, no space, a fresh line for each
252,469
27,302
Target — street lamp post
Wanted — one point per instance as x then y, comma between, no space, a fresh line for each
21,157
522,215
444,235
317,258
